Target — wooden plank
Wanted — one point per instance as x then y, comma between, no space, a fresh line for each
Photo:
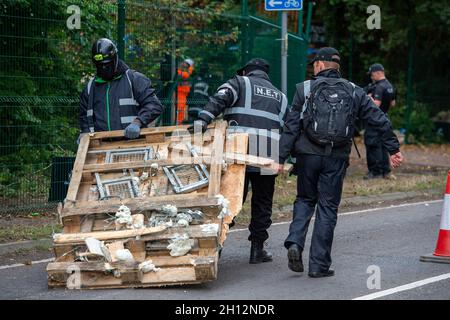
231,158
104,167
113,247
215,170
232,184
155,138
144,131
72,224
197,200
137,249
87,223
170,276
123,144
106,235
78,168
146,234
93,275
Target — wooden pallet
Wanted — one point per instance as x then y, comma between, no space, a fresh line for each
83,215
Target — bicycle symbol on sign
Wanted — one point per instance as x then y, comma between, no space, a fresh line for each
292,3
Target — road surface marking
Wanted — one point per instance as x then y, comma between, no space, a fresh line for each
22,264
405,287
359,211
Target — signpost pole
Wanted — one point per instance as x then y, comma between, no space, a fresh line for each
284,51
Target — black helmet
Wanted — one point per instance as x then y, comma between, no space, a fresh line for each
104,51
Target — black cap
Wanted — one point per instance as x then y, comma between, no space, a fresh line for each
375,67
255,64
327,54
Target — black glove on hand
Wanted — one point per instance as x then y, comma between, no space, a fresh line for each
198,123
132,131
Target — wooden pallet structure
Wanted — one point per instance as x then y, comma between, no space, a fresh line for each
165,166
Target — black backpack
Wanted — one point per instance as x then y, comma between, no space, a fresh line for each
328,113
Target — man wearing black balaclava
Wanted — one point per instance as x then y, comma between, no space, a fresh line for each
117,98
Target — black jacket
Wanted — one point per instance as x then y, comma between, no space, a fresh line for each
295,142
383,91
117,103
251,104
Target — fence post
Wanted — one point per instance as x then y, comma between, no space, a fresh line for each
409,85
121,28
245,34
305,36
350,57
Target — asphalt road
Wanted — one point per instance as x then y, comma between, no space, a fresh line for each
392,239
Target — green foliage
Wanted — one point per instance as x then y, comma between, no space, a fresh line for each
431,74
423,129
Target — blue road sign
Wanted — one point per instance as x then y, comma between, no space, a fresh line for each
282,5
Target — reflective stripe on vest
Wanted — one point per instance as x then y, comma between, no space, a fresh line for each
127,102
126,120
209,114
227,86
247,109
273,134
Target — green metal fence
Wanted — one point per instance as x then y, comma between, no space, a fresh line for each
45,63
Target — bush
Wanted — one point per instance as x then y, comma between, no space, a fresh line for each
422,127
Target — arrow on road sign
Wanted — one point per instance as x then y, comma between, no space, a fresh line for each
273,3
284,5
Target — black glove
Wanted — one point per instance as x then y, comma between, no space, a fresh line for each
198,123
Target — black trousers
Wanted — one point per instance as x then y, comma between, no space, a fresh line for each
377,156
319,184
263,187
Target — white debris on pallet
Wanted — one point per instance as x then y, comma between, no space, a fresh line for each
210,228
182,223
98,247
224,203
169,224
196,215
124,255
184,216
123,217
180,245
56,236
148,266
154,169
170,210
143,177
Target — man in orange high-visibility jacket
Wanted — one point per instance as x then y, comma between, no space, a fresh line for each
184,72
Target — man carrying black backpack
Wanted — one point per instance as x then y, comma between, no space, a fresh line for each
318,131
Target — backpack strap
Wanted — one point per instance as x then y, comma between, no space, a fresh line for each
130,81
306,95
90,107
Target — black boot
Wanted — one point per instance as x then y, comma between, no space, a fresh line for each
321,274
258,254
295,258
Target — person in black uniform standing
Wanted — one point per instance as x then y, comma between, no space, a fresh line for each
117,98
318,132
383,94
250,103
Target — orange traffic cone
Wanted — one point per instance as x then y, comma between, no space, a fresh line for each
442,251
